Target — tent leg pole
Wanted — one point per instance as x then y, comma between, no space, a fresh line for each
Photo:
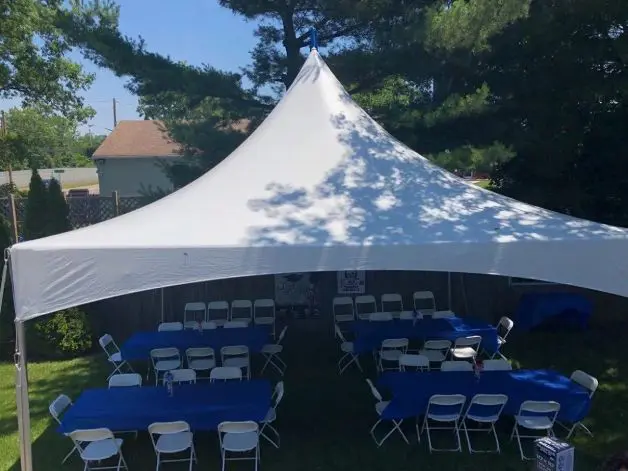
163,314
449,290
21,398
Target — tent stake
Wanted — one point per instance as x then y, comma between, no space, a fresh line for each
21,398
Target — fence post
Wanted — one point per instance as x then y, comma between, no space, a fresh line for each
13,211
116,203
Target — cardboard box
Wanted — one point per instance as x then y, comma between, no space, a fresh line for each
553,454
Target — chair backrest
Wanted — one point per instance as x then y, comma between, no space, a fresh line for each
168,428
380,316
263,308
585,380
241,309
59,406
365,304
440,345
339,333
278,394
472,341
196,353
449,401
424,301
456,366
183,376
496,365
108,345
194,312
413,360
374,391
124,380
548,409
343,306
217,311
504,326
443,315
481,404
391,302
224,373
86,436
282,334
169,353
231,351
395,344
240,324
169,326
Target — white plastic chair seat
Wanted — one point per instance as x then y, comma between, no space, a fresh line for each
390,355
272,349
380,406
534,423
167,365
264,320
443,417
202,364
464,352
174,442
240,441
346,347
434,356
344,317
101,450
412,360
485,419
240,362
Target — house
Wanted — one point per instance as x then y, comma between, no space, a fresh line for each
131,159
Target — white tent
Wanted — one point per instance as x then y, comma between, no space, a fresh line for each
319,186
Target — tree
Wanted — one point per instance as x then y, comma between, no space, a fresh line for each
58,210
36,219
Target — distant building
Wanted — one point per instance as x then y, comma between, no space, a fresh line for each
130,160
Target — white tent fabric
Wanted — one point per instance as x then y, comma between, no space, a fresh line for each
318,186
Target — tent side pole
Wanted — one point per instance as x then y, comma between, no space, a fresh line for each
21,398
449,290
162,306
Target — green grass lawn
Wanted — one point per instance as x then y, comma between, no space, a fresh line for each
324,419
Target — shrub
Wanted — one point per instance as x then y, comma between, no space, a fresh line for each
58,210
62,334
36,221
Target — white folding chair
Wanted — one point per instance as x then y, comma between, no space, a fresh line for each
225,373
236,355
194,312
466,348
590,384
343,309
424,301
496,365
170,438
390,351
239,438
444,409
201,358
481,416
218,312
125,380
272,351
456,366
504,326
57,408
96,445
393,303
538,416
365,304
413,361
380,407
436,350
271,416
164,359
264,313
346,348
241,310
183,375
443,315
170,327
235,325
114,356
380,317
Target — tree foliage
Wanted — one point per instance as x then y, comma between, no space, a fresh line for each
58,210
36,219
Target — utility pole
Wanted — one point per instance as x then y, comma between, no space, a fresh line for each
115,114
3,122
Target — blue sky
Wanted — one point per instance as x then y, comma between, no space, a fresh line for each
196,31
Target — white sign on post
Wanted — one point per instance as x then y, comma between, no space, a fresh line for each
351,282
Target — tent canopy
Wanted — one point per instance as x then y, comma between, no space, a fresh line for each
318,186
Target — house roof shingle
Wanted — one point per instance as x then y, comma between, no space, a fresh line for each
141,138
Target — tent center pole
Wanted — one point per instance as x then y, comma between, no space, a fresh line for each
449,290
162,306
21,398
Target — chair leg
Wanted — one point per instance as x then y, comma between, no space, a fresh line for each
270,440
70,453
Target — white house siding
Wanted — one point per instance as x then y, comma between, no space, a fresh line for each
131,176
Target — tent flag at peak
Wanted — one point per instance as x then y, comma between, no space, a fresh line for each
319,186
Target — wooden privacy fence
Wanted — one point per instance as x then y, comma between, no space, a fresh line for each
84,210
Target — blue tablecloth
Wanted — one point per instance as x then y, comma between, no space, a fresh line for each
203,406
411,391
369,335
536,308
138,347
